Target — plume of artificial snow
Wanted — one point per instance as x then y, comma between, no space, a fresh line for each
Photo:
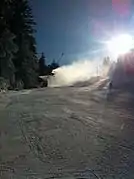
78,71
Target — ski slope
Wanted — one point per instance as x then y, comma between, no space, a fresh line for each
67,132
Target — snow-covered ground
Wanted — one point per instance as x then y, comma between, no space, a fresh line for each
67,132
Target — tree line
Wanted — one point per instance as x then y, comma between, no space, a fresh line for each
19,64
46,69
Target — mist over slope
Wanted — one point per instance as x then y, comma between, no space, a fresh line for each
78,71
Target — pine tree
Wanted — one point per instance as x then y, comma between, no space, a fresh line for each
54,65
7,50
42,65
7,45
22,25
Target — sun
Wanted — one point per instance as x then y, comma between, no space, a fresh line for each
120,45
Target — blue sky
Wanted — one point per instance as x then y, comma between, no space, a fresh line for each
74,27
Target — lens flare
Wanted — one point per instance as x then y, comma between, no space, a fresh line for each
120,44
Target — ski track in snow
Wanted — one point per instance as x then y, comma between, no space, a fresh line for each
65,132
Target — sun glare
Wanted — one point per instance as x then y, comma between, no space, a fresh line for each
120,45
